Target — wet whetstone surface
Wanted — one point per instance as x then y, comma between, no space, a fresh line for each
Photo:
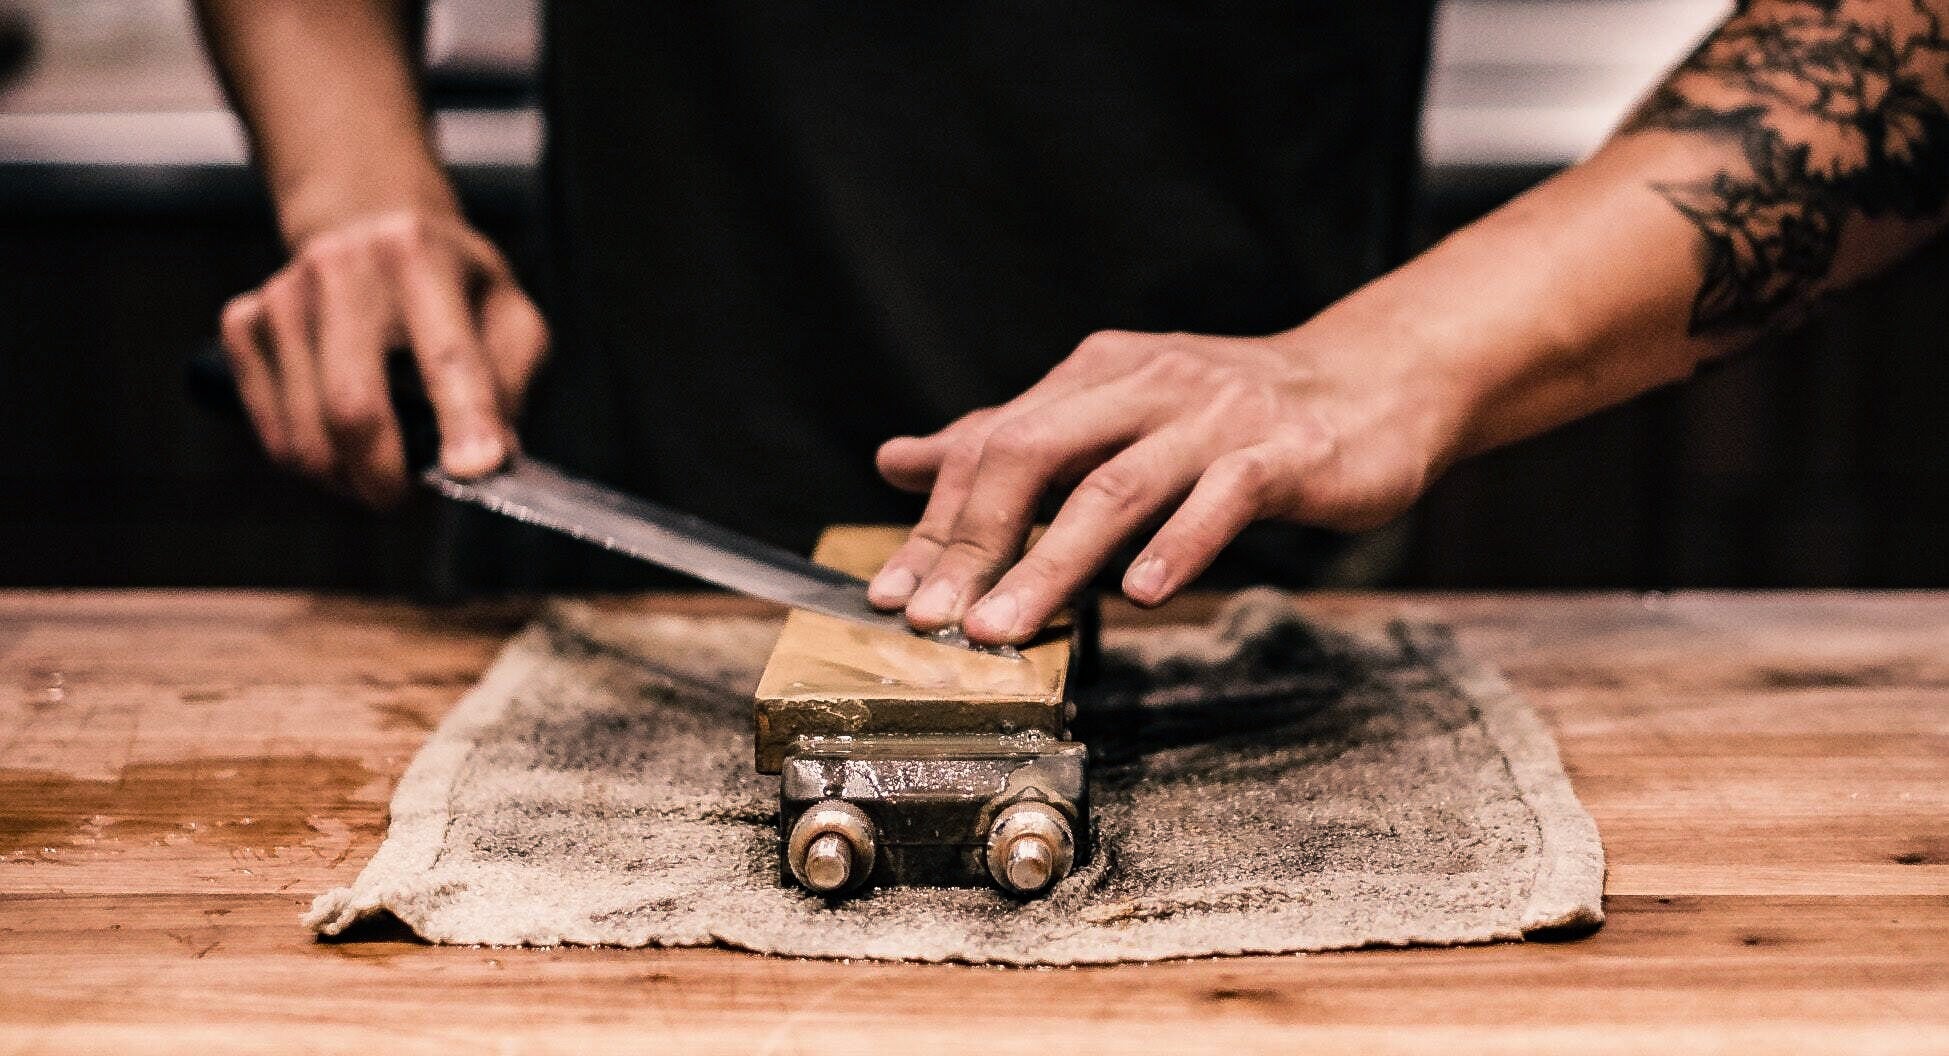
1261,785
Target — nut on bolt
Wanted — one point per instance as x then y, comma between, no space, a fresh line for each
831,848
1030,848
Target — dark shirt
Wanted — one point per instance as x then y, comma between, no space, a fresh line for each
782,232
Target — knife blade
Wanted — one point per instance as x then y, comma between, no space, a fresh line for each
537,493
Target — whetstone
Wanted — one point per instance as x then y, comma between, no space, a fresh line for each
830,678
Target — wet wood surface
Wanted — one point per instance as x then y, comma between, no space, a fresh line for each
181,772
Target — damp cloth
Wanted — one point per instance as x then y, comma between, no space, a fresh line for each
1261,784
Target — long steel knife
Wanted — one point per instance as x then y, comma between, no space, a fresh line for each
536,493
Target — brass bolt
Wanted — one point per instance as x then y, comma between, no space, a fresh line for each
1030,861
831,847
1030,848
828,863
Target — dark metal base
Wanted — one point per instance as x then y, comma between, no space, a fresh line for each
933,802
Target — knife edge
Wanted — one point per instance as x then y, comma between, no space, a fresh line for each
534,492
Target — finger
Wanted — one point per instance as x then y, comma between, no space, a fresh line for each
288,323
893,586
1111,504
459,382
1021,458
911,463
480,252
512,329
242,327
516,339
354,318
1237,489
947,486
926,463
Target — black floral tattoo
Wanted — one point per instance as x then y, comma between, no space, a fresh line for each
1837,108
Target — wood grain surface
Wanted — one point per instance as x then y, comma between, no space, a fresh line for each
181,772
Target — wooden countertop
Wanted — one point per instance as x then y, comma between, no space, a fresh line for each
181,772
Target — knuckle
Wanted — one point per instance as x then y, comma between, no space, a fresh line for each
308,273
282,296
971,552
1015,443
1108,346
238,316
1252,471
1103,341
1173,366
449,357
1114,485
1246,406
937,519
958,465
485,256
966,432
536,337
404,239
970,428
1233,396
353,412
1037,570
331,253
925,541
1309,431
404,228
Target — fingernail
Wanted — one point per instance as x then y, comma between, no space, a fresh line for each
935,603
994,616
893,585
480,454
1145,580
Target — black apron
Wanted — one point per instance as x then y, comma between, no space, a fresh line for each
783,232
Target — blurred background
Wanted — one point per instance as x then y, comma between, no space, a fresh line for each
128,215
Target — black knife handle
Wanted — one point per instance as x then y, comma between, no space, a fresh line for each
213,387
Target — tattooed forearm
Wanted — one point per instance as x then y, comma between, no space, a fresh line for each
1838,108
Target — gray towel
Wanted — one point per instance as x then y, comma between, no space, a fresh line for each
1261,785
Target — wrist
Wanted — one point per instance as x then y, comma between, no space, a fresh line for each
1426,381
313,205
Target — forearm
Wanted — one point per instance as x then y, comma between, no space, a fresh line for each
380,255
1799,150
327,90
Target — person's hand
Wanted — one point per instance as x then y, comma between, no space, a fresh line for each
1206,433
308,349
